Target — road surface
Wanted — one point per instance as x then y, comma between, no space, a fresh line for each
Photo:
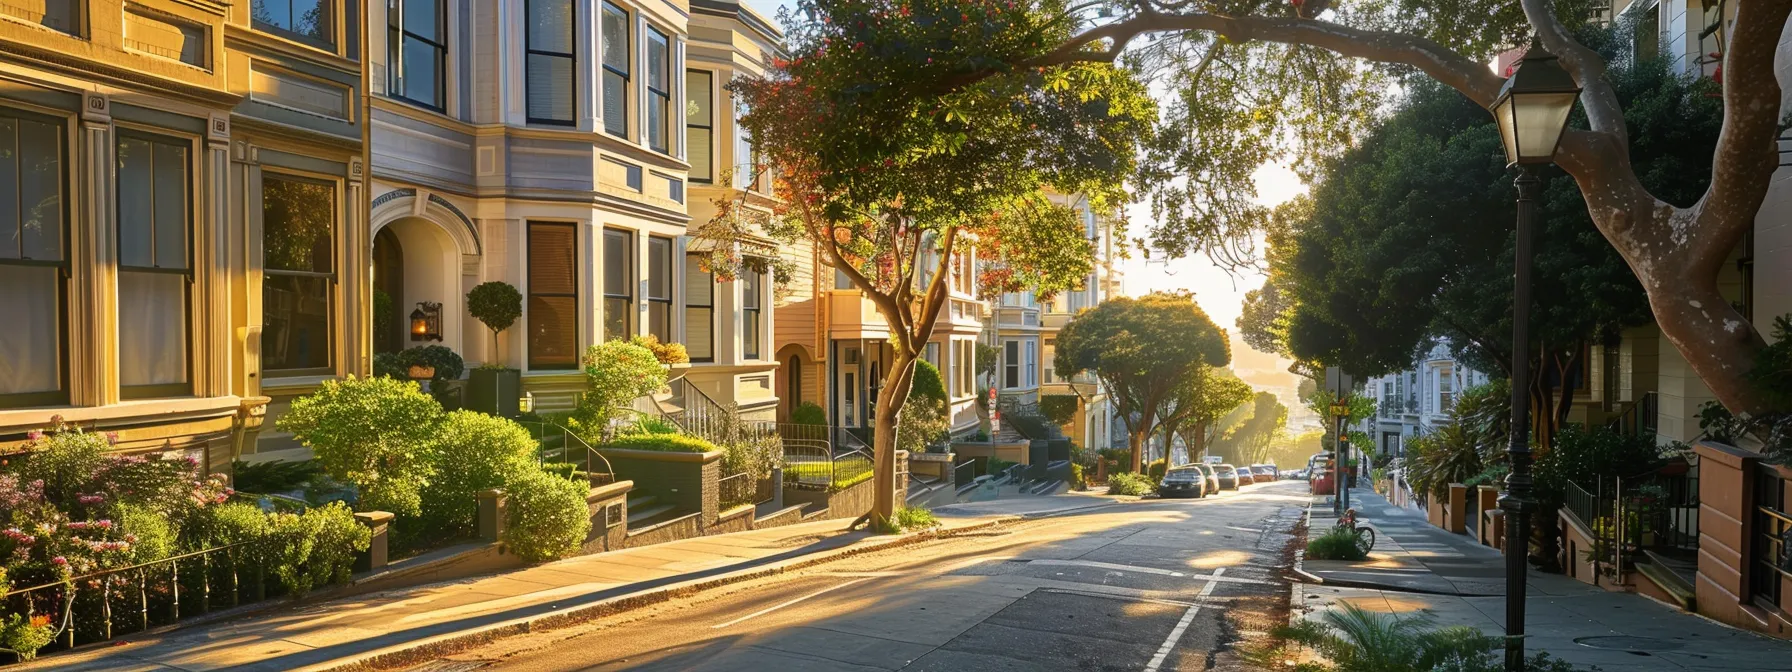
1153,585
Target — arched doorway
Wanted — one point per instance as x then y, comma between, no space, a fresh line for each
389,325
793,387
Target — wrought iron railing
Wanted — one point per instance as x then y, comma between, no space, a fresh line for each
813,466
1638,416
964,474
699,415
97,606
555,443
737,490
1771,552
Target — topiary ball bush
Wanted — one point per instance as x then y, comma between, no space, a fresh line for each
496,304
808,413
928,383
548,517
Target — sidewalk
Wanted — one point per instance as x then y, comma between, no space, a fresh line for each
1418,569
394,624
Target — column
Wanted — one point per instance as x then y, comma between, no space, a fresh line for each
246,300
357,269
93,255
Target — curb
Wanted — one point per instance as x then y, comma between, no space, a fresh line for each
448,644
1306,577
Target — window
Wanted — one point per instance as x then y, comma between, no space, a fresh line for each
746,165
33,358
549,62
699,310
1032,364
310,21
162,35
751,289
154,273
931,353
298,221
619,276
967,368
700,124
615,72
1046,363
659,289
553,296
1011,364
659,91
417,51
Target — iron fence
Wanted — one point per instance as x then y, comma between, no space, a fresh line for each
812,465
97,606
963,474
555,443
1771,552
737,490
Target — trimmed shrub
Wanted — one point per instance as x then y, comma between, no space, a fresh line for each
371,433
667,353
153,531
548,517
616,373
648,424
65,460
676,443
271,477
317,547
923,423
1129,484
496,304
928,384
808,413
475,452
1336,544
1058,408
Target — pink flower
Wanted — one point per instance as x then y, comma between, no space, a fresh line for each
59,561
34,435
112,438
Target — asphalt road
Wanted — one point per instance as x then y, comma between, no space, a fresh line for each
1154,585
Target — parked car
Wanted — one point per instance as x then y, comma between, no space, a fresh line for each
1183,482
1320,477
1228,476
1244,475
1295,474
1263,472
1213,478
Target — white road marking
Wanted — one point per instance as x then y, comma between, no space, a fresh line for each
1244,529
1163,652
977,561
1106,565
776,607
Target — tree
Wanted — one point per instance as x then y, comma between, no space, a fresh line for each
1303,85
1205,395
892,184
496,304
1144,350
1393,249
1254,438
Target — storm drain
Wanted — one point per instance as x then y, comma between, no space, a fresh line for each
1642,645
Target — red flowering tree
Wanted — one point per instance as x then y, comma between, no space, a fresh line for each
887,177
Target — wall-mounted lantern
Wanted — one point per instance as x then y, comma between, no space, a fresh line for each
426,322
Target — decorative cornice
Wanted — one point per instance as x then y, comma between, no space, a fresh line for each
107,73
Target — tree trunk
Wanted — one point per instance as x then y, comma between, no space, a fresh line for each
890,401
1138,439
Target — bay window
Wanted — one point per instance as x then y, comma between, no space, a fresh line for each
154,270
299,273
659,91
417,51
659,288
553,318
699,310
33,264
699,124
619,295
751,338
615,71
549,63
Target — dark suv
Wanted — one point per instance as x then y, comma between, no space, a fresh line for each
1183,482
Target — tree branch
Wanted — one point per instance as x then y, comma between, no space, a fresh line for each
1604,112
1746,157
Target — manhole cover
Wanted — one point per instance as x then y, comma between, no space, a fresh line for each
1624,643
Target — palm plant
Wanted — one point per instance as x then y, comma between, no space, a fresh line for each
1352,639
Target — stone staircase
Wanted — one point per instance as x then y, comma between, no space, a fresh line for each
645,510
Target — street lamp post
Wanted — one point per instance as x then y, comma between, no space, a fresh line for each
1532,111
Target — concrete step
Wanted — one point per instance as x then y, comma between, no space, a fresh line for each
639,499
816,514
1660,571
648,516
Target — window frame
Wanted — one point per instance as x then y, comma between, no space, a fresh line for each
61,396
1011,376
605,69
396,35
709,128
530,291
572,56
752,314
710,307
170,389
659,97
629,279
671,286
330,44
336,224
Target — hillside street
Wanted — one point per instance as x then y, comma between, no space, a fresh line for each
1153,585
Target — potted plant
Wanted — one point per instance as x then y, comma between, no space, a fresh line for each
494,388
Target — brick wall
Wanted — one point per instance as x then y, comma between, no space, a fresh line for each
685,480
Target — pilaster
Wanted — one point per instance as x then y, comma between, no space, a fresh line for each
214,363
93,291
245,215
356,274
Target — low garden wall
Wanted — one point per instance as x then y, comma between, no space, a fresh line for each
683,479
1728,478
849,502
608,505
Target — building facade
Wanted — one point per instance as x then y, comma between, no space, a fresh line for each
183,204
1417,401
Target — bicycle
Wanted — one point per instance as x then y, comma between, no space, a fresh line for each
1365,536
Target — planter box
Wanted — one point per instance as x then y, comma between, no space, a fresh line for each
686,480
494,391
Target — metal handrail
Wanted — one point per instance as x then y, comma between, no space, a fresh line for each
728,490
957,481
